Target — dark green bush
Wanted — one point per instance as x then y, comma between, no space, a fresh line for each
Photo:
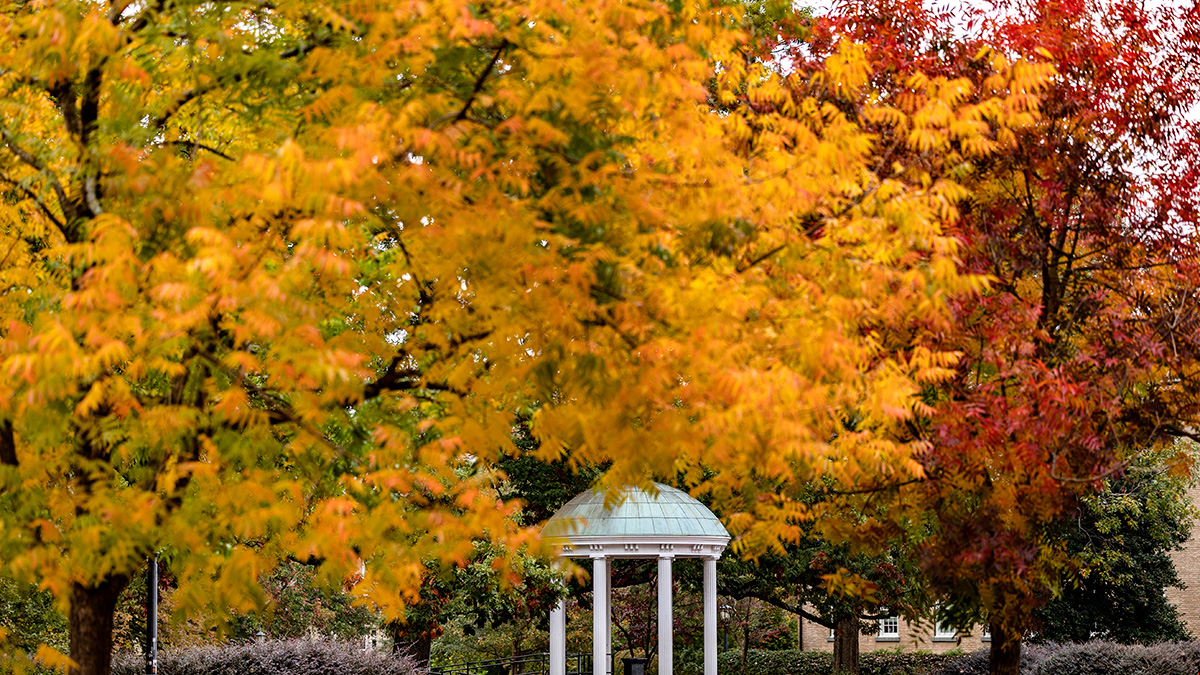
782,662
897,663
795,662
975,663
276,657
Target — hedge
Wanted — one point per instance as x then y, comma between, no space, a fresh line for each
275,657
796,662
1092,658
1107,658
976,663
305,657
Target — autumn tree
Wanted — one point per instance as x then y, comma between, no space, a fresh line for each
278,279
1082,353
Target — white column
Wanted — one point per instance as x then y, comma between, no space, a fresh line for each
608,659
600,625
666,648
710,616
558,639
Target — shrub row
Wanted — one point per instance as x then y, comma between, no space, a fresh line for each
1092,658
795,662
1107,658
305,657
276,657
976,663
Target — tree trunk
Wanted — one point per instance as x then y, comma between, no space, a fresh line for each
845,646
1005,657
418,649
745,642
91,625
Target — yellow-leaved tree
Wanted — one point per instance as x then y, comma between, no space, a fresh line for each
277,279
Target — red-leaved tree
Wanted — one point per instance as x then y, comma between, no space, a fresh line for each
1083,351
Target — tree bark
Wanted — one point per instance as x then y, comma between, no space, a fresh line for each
91,625
746,641
418,649
8,444
1005,657
845,646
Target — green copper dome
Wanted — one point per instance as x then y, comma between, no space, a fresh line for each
670,513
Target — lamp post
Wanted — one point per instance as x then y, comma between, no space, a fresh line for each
152,617
260,637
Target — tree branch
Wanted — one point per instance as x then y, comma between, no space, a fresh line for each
89,103
602,321
28,158
282,412
200,146
754,261
21,153
89,116
478,87
141,20
37,200
1181,433
392,379
8,444
876,617
479,81
408,379
776,602
877,488
25,78
185,97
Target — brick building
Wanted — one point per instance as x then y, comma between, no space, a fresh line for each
1187,564
896,633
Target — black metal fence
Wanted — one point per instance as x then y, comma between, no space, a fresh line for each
526,664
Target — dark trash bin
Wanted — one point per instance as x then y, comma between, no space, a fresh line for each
635,666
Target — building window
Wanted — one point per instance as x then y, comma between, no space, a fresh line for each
832,634
889,629
987,635
943,633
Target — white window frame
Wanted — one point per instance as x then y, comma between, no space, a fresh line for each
889,622
943,633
